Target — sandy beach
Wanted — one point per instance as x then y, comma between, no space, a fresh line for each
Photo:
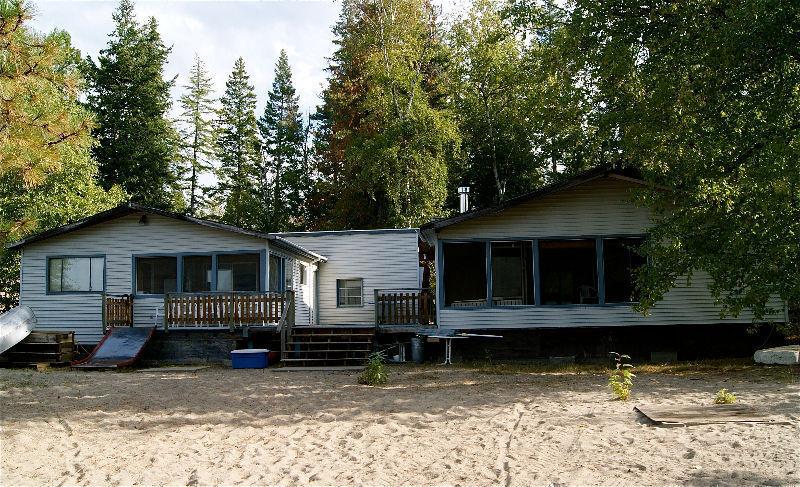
428,426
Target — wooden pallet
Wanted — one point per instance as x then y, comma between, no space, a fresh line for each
708,414
40,347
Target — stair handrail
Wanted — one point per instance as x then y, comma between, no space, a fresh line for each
286,322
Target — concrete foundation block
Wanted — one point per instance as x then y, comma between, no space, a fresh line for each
663,357
788,355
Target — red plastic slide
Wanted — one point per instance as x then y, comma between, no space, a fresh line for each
120,347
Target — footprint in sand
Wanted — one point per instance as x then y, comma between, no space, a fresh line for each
689,454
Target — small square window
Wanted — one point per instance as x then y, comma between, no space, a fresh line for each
349,292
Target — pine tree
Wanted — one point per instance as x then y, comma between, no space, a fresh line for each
285,180
137,145
238,150
47,175
197,131
390,136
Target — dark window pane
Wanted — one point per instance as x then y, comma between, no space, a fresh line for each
303,272
512,273
464,274
275,273
620,261
568,270
156,275
238,272
196,273
54,276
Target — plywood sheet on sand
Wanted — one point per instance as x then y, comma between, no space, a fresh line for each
708,414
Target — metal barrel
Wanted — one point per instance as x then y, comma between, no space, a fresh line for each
417,349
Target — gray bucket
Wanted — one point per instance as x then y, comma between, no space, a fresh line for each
417,349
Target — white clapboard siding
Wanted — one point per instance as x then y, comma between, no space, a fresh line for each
118,240
304,294
384,259
601,207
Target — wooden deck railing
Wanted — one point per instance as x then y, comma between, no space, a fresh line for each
405,307
117,310
219,310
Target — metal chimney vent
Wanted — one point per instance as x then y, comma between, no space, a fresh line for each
463,194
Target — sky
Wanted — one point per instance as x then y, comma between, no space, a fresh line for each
219,32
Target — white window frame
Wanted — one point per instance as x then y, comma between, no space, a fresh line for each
340,286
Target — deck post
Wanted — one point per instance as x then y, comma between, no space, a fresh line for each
130,303
103,311
166,312
232,312
375,304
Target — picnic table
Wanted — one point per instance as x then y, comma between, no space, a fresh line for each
448,343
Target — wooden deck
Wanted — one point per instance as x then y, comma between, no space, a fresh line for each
221,310
405,307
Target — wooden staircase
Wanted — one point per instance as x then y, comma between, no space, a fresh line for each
327,346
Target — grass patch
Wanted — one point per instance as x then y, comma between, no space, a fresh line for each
21,379
719,366
514,368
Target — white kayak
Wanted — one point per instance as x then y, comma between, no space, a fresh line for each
15,325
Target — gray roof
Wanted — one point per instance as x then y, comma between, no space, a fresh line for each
131,208
321,233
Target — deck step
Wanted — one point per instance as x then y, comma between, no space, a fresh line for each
321,350
295,360
329,342
334,335
331,346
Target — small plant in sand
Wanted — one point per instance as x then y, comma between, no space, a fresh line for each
375,373
620,381
724,397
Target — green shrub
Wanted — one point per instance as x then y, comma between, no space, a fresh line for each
724,397
375,373
620,380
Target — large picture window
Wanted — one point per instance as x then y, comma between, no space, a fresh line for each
464,274
349,292
621,259
238,272
568,271
196,273
156,275
76,274
512,273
